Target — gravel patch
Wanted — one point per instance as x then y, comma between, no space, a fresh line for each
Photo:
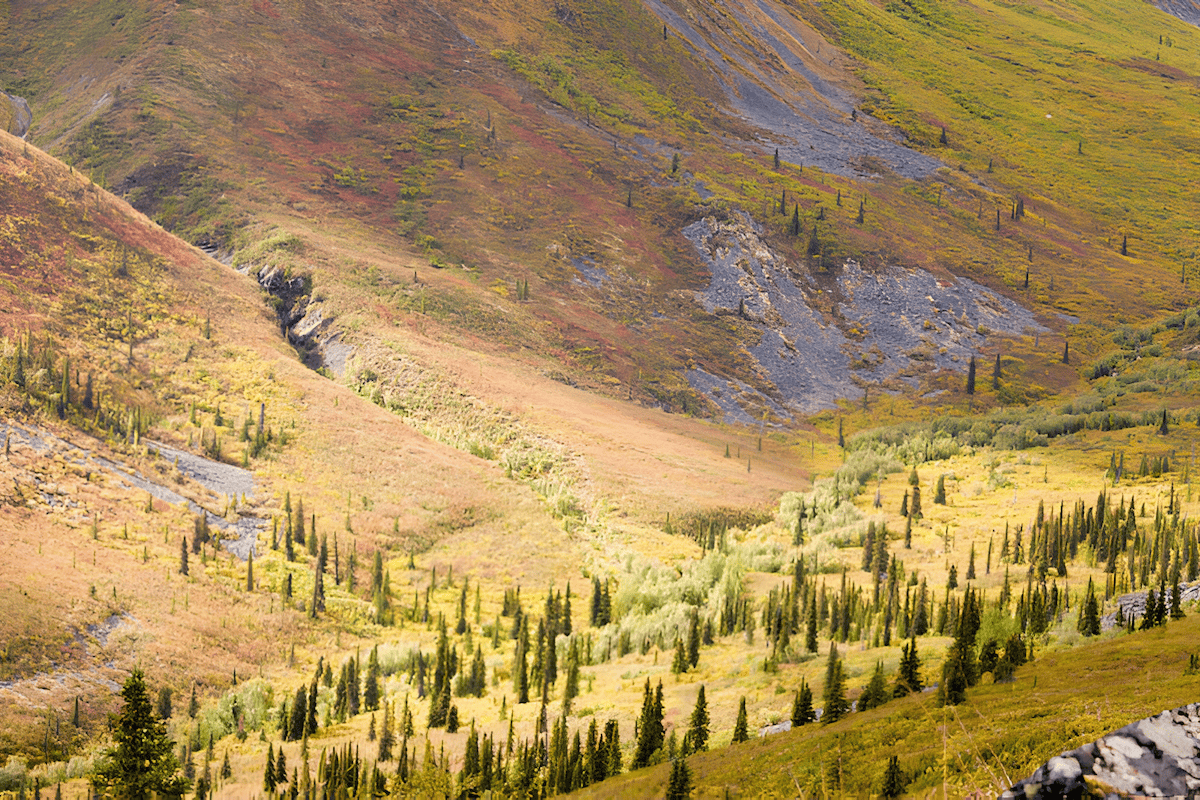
726,394
592,273
239,537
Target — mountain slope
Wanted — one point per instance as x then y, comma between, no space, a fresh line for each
511,144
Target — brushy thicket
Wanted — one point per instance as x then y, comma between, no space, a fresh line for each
654,602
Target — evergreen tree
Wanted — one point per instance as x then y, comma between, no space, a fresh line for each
269,782
163,706
741,728
650,731
939,493
183,556
143,761
679,787
908,679
876,692
893,779
802,706
1089,623
970,379
914,505
836,704
299,716
371,684
697,735
996,373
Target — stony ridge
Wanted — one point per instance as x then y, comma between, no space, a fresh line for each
1153,757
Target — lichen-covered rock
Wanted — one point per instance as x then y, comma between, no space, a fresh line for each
1155,757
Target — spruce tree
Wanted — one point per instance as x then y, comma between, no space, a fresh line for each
971,376
697,735
183,556
143,761
939,492
651,734
269,782
802,706
1089,624
893,779
876,692
679,787
908,679
836,704
741,728
996,373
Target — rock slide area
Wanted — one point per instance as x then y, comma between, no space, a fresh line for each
1155,757
884,327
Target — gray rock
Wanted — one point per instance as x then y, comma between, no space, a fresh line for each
1153,757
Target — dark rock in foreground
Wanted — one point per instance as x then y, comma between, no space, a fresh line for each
1155,757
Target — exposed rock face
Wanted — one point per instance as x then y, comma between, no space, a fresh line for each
1155,757
304,323
1186,10
15,115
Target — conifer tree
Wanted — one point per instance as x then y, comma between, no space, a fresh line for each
914,505
143,761
1089,623
269,782
679,664
802,706
996,373
908,679
836,704
939,492
371,684
650,731
741,728
697,735
250,572
183,556
970,377
876,692
679,787
893,779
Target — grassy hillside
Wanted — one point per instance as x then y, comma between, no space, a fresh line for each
497,150
483,201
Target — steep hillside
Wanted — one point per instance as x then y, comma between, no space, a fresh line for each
525,165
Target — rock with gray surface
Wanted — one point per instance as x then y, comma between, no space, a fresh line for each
1155,757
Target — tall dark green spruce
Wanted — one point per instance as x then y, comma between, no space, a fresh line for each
143,762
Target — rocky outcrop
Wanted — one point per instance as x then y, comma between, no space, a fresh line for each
303,322
1186,10
1155,757
15,114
